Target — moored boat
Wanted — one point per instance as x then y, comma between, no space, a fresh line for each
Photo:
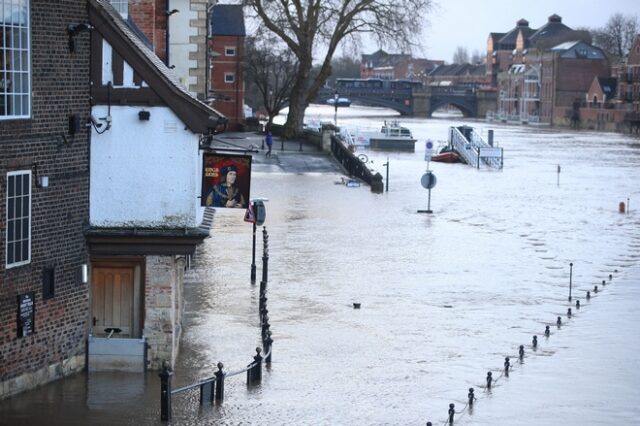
393,136
446,157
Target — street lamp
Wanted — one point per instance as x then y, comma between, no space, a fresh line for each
336,95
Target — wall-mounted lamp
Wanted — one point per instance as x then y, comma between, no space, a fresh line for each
41,181
144,115
84,273
171,12
75,29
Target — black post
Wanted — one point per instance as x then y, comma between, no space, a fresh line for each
507,365
570,278
257,376
489,380
253,256
265,256
219,382
165,393
282,143
471,397
268,342
452,411
387,178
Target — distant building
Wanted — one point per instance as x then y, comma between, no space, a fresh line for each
226,45
401,66
457,74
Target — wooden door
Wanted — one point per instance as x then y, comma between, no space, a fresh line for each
112,300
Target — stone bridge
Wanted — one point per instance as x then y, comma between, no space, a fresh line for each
420,101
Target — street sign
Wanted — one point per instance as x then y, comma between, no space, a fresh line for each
490,152
428,150
248,215
428,180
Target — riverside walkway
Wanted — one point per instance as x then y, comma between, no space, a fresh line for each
287,156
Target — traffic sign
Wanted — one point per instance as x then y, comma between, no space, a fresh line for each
428,180
428,150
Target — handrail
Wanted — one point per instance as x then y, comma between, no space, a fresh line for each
194,385
470,148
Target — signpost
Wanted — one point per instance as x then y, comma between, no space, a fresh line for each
428,181
428,152
256,214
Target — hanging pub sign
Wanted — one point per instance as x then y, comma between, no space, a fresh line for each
226,180
26,314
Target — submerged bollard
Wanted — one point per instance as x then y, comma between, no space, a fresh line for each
577,304
452,412
534,343
507,364
595,289
521,352
611,276
588,295
165,393
219,382
547,331
569,313
471,397
268,342
604,283
489,380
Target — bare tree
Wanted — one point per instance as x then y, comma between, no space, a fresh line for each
477,58
461,55
617,35
270,72
305,26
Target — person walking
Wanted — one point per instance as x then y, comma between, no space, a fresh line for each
269,140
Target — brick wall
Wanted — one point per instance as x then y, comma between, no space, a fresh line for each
150,17
59,213
233,93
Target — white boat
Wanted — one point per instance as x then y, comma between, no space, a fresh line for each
391,136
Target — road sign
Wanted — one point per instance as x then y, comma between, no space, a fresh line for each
428,180
428,150
248,215
490,152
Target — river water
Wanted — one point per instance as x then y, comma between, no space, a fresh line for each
444,297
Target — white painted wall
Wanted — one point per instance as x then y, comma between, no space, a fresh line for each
144,173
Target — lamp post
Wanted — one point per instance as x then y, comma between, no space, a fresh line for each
336,95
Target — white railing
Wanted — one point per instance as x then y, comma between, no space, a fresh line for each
471,149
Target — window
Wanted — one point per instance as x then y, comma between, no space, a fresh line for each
121,6
229,51
229,77
18,218
15,76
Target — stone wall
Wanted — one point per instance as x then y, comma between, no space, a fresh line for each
163,308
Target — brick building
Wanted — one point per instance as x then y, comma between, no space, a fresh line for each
226,44
44,186
394,66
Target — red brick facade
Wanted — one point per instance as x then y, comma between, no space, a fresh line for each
227,78
59,213
150,17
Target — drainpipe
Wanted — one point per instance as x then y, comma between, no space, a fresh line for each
207,59
166,32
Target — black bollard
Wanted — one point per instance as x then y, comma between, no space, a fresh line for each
489,380
534,343
521,352
165,393
507,364
604,283
547,331
559,322
595,289
588,295
429,424
257,368
219,382
268,343
452,412
611,276
569,312
471,397
577,304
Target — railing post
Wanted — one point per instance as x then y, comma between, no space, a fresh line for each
257,376
219,383
165,393
268,342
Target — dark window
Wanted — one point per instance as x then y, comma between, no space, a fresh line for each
18,218
48,283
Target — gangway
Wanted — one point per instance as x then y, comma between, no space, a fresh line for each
475,151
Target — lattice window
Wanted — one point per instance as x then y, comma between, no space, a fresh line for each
15,57
18,218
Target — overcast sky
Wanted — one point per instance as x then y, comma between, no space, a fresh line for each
468,23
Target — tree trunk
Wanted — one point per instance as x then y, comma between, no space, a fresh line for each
298,100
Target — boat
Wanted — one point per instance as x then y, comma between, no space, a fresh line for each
393,136
342,102
446,155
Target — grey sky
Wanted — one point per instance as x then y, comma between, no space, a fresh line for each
468,22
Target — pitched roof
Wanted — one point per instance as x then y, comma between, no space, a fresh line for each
508,41
227,20
608,86
553,29
196,115
578,50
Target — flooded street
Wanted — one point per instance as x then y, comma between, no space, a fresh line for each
444,297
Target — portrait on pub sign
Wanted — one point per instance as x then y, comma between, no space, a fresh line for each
226,180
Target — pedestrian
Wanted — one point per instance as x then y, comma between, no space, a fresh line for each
269,140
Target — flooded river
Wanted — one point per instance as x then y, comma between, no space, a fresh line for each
444,297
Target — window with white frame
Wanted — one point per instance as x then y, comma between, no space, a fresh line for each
18,218
230,51
15,57
229,77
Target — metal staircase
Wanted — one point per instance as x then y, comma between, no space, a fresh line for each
474,149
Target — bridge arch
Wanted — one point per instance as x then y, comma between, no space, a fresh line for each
466,110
